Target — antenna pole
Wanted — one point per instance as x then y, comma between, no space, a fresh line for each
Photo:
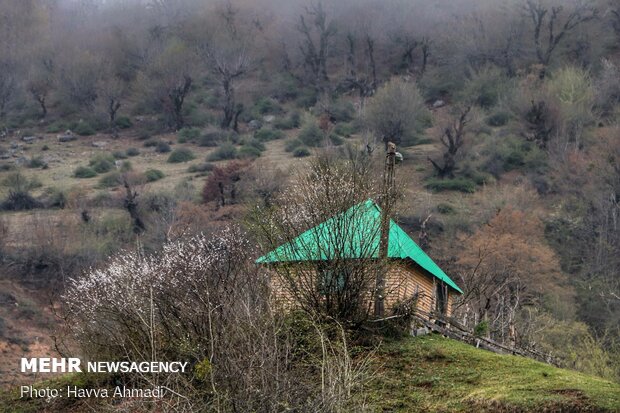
386,205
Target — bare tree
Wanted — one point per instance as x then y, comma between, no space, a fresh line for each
364,83
317,37
113,89
453,139
552,25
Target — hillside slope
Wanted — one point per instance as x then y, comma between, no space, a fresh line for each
436,374
426,374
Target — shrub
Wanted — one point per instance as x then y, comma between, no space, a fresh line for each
119,155
149,143
441,81
341,111
513,153
498,118
188,135
45,148
19,201
153,175
335,140
264,106
311,135
265,135
225,151
84,172
123,122
292,144
306,98
485,87
84,128
255,144
126,166
201,167
345,129
212,138
181,155
291,122
133,152
102,163
301,152
248,152
444,208
162,147
397,112
110,180
36,162
456,184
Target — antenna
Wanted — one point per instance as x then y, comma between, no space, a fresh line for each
386,206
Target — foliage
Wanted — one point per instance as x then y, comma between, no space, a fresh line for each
265,134
485,87
123,122
457,184
397,112
84,172
311,135
163,147
110,180
132,152
222,184
292,144
223,152
153,175
84,128
181,155
301,152
102,163
499,118
188,134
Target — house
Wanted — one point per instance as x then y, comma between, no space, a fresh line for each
354,234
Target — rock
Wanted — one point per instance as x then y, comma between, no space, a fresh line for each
255,124
66,138
439,103
22,160
99,144
5,155
14,145
269,118
29,139
419,332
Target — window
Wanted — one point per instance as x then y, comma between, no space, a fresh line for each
331,280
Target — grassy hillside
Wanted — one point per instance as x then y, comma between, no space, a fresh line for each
430,374
435,374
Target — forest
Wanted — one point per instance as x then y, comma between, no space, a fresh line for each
152,150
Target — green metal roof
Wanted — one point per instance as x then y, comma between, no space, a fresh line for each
356,233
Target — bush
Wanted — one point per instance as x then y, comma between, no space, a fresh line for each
301,152
248,152
19,201
266,106
345,129
498,118
225,151
201,167
133,152
397,112
444,208
456,184
84,172
149,143
212,138
36,162
291,122
84,128
341,111
292,144
485,87
188,135
311,135
335,140
153,175
513,153
102,163
181,155
255,144
119,155
123,122
162,147
265,135
441,81
110,180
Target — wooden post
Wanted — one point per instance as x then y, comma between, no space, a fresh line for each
386,203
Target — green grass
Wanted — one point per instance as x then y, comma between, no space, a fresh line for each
433,373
